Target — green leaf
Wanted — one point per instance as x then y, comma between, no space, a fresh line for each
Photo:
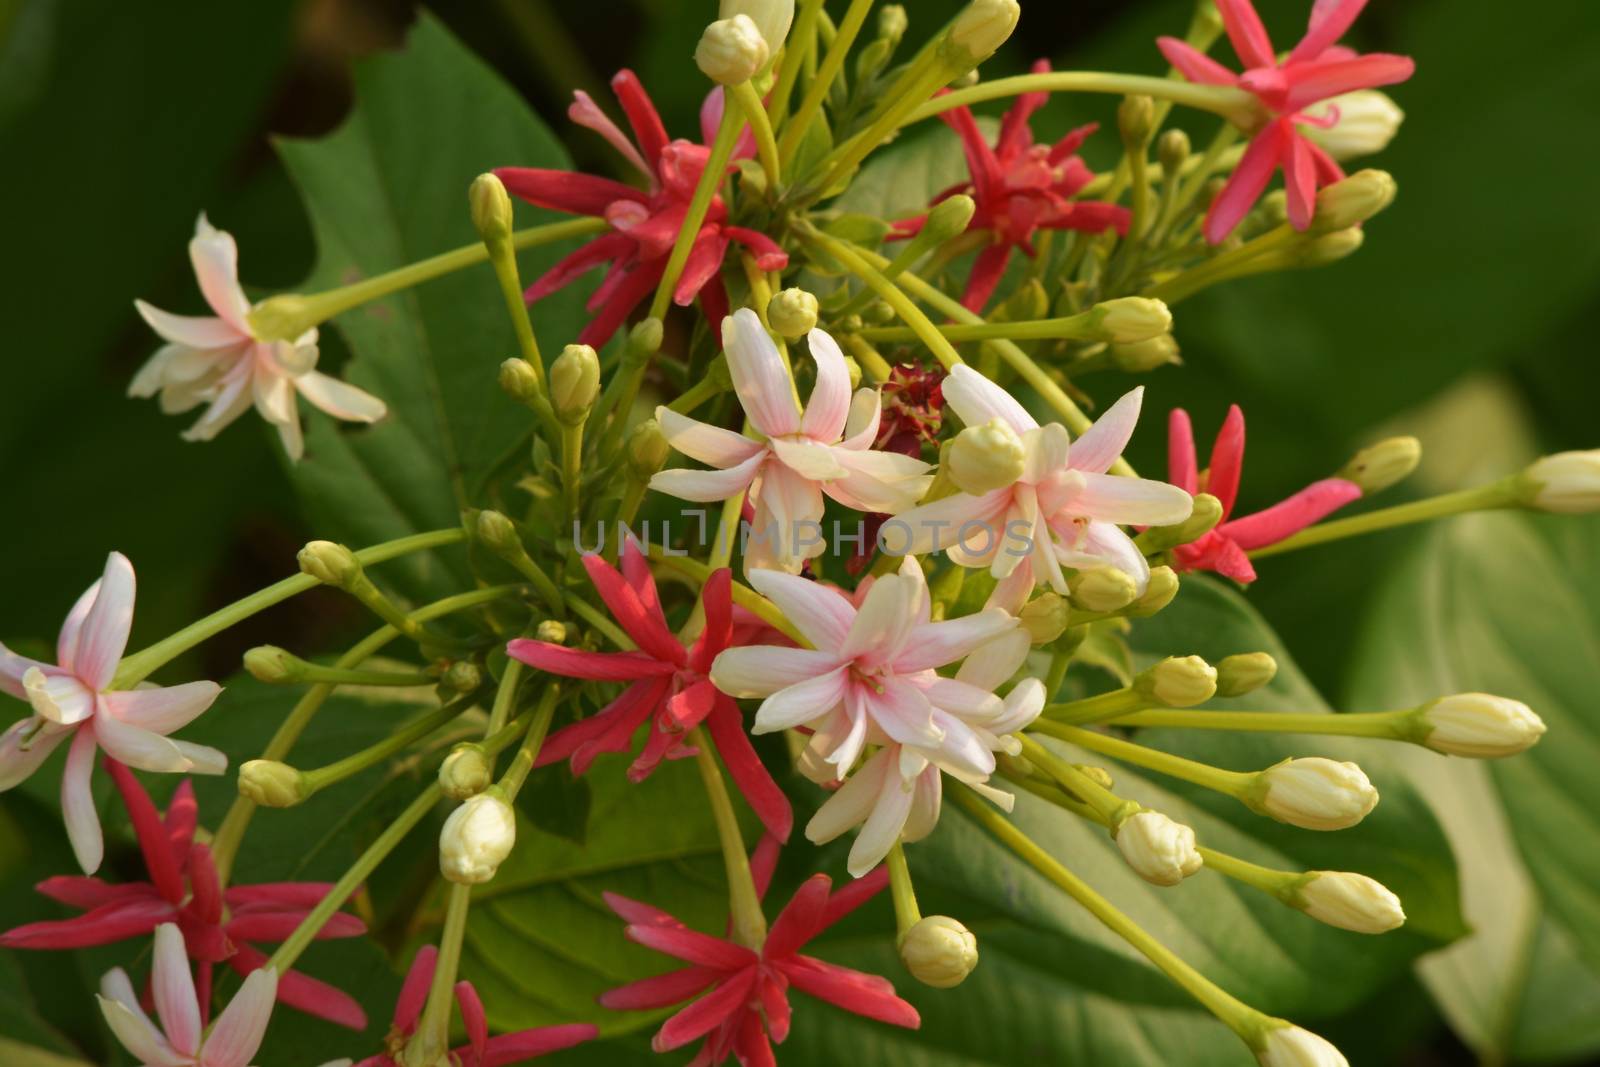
386,189
1507,604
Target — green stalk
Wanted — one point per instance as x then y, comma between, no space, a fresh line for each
1501,494
811,104
320,778
1230,783
433,1030
1098,708
1380,725
749,101
749,922
906,912
721,151
802,39
1236,105
1083,326
538,727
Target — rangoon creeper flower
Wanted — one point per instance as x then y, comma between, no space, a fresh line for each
827,450
869,679
1480,726
482,1050
668,687
1351,902
1315,70
1222,549
221,362
1290,1046
180,1040
72,700
218,924
747,1009
1020,188
1064,510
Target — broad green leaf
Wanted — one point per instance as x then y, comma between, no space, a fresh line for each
1506,604
386,189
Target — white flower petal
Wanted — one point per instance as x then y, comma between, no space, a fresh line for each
1131,501
138,747
1100,445
977,400
820,612
711,445
191,331
944,642
77,802
759,376
851,802
800,703
163,709
104,634
878,482
807,458
216,267
992,665
762,670
139,1036
883,826
339,398
708,486
861,427
17,763
829,404
172,986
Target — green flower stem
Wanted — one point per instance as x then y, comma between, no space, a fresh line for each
505,697
541,581
871,361
596,618
432,1040
794,129
503,257
914,249
716,164
721,552
749,922
1382,725
1098,708
1235,105
317,674
1277,884
1238,1016
1231,783
231,831
1248,258
572,469
708,388
1501,494
1223,153
1106,807
1060,661
743,595
901,100
755,113
139,666
374,600
538,728
802,42
920,325
319,778
906,912
1083,326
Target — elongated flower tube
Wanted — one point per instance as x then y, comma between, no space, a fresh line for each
222,362
1316,69
1064,510
825,450
72,701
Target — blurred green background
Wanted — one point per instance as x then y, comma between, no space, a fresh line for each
1466,318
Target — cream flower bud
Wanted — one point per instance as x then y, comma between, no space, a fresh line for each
948,218
496,532
273,665
982,27
465,772
1244,673
1158,593
553,631
1129,319
519,380
1352,200
939,951
491,207
476,839
1377,467
793,313
731,50
1350,902
271,784
1567,483
1140,357
1480,725
893,22
772,17
574,383
1102,589
1290,1046
1045,617
1365,121
1159,850
985,458
1329,248
647,449
1179,682
1314,793
329,563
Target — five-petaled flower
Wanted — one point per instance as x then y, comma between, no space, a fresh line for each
1019,188
1223,548
826,450
219,361
1317,68
184,889
668,687
73,699
747,1009
181,1040
644,223
1064,510
481,1050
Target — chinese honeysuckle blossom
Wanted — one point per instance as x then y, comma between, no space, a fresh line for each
181,1040
1064,510
221,362
72,701
869,679
1316,69
825,450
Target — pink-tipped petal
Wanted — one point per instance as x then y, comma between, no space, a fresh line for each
663,990
1248,35
759,376
708,486
850,804
215,258
585,112
135,1032
161,710
1193,64
1227,460
172,986
238,1031
1245,186
800,703
829,404
104,634
711,445
137,747
977,400
820,612
77,802
1131,501
72,629
946,641
1309,505
1101,444
18,763
191,331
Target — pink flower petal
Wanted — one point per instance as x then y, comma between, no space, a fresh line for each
104,635
648,129
647,627
710,248
106,924
1248,35
864,994
594,666
829,404
881,483
691,946
638,913
161,710
1227,460
17,763
759,376
1319,80
1309,505
138,747
977,400
560,190
769,254
238,1031
800,920
849,897
800,703
820,612
707,1013
527,1044
154,842
711,445
77,802
788,521
215,258
1329,21
1101,444
173,988
414,992
1300,181
472,1018
1245,186
749,774
946,641
1193,64
1182,469
648,994
708,486
585,112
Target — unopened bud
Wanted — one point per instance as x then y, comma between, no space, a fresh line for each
465,772
329,563
519,380
491,207
878,313
272,665
1203,518
1102,589
982,27
1136,120
1244,673
1353,200
1172,149
772,18
574,383
1045,617
1158,593
853,369
1365,121
271,784
552,631
1178,682
892,22
1479,725
1350,902
1329,248
1159,850
1141,357
462,676
1314,793
497,533
1128,319
793,313
732,50
949,218
939,951
1567,483
1287,1045
476,839
647,449
985,458
1377,467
